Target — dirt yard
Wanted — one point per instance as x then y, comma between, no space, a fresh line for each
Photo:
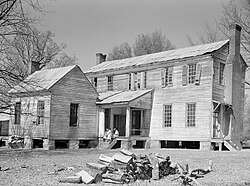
36,167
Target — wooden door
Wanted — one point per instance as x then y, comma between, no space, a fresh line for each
136,122
120,124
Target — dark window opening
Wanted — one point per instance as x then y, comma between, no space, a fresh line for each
140,144
18,113
95,82
180,144
73,114
83,144
37,143
61,144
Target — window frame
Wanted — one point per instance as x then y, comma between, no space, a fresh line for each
169,76
191,76
72,115
94,83
40,112
110,83
167,117
221,73
18,113
190,117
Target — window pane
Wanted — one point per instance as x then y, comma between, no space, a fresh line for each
40,112
190,115
191,73
18,113
110,82
167,115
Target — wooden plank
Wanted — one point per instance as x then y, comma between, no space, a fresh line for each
127,152
71,179
122,158
97,166
86,177
106,159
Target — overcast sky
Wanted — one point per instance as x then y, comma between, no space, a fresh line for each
91,26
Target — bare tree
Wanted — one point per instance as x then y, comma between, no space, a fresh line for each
122,51
151,43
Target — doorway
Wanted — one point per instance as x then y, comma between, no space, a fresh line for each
136,122
120,124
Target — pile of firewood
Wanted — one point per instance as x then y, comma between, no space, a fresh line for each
126,167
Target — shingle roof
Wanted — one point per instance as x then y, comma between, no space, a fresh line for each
124,97
158,57
42,80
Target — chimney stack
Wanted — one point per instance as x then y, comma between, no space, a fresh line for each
232,61
100,58
33,67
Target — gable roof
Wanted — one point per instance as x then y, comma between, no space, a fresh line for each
42,80
158,57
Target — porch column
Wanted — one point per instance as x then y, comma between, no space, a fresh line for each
111,119
101,122
127,134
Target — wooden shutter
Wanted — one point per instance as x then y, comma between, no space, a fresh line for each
106,80
184,75
170,74
163,77
198,74
132,81
142,80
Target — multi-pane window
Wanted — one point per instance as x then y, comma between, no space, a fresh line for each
138,80
18,113
191,114
95,82
221,73
110,83
73,114
40,112
169,76
191,73
167,115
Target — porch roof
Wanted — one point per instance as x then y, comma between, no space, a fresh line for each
123,97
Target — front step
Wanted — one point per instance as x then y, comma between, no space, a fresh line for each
231,146
106,145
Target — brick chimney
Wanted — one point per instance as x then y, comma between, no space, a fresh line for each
100,58
232,60
33,67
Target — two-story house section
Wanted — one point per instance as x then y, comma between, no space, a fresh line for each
189,97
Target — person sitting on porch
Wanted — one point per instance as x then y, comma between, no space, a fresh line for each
115,133
109,135
105,136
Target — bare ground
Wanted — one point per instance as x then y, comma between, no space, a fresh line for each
32,167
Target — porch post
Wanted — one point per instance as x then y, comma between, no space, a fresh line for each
127,134
111,118
101,122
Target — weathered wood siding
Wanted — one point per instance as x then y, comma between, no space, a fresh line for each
219,57
28,125
178,96
73,88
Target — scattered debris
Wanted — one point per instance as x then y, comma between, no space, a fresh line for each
126,167
4,168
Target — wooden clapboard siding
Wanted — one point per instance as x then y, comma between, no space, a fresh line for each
179,95
219,57
74,87
28,126
120,82
101,84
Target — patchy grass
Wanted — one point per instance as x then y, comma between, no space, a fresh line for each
229,168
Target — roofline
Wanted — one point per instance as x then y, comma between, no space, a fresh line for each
144,67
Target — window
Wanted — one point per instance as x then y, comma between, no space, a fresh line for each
95,82
221,73
169,76
18,113
167,115
73,114
138,80
40,112
191,114
129,82
191,73
110,83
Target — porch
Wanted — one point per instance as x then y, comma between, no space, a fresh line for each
127,111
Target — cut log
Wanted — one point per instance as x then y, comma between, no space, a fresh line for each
85,177
107,180
155,165
96,174
115,176
97,166
71,179
122,158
